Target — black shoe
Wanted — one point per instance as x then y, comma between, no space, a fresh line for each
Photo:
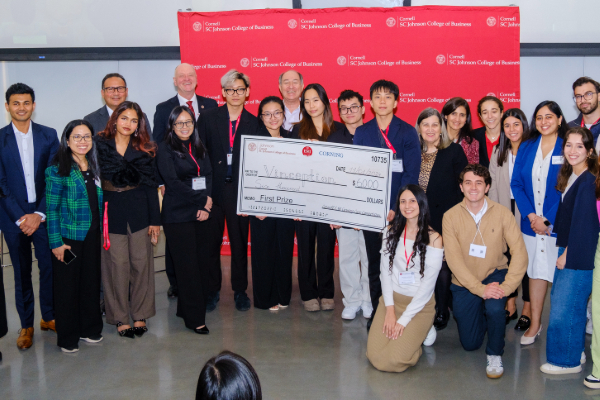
140,330
523,323
511,317
440,322
173,291
0,356
128,333
201,331
242,302
211,302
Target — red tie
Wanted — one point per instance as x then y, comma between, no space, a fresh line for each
189,103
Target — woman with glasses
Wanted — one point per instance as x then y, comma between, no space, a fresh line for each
317,125
131,221
457,117
73,209
272,238
185,168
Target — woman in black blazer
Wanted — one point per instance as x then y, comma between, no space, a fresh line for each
490,111
272,238
184,166
317,124
441,164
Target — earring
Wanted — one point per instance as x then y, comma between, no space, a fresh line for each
135,133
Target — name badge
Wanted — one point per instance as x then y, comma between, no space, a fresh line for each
229,158
199,183
397,166
97,181
406,278
477,251
558,160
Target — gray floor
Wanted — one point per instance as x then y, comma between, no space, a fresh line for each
297,355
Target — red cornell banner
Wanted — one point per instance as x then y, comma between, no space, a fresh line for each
433,53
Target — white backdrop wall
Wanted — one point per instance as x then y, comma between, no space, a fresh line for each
70,90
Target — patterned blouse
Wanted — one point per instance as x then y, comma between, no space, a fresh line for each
427,160
471,150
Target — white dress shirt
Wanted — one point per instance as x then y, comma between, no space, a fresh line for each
511,166
422,288
183,102
291,117
477,217
110,111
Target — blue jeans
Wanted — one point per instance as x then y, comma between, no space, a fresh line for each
476,316
566,329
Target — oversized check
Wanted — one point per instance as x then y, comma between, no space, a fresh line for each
315,181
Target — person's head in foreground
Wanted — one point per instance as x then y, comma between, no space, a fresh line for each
228,376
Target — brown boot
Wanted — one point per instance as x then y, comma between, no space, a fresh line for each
25,339
48,326
312,305
327,304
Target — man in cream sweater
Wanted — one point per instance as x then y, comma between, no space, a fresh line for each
476,233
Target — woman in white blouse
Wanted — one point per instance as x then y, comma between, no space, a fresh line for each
411,259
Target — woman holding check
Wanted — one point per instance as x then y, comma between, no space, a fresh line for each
184,165
73,208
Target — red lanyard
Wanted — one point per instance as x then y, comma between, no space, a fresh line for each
194,160
231,135
405,253
387,142
106,244
583,123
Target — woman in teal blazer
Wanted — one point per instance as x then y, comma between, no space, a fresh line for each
73,210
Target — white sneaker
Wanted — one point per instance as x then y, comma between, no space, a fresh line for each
555,370
583,359
431,336
494,368
69,349
589,327
367,311
350,312
592,382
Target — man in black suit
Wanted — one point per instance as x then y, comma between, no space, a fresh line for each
220,130
185,80
114,92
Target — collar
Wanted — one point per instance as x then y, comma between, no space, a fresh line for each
183,101
109,111
296,111
23,134
477,217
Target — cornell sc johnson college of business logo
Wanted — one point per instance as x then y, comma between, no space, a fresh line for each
341,60
391,21
441,59
292,23
491,21
252,146
307,151
244,62
197,26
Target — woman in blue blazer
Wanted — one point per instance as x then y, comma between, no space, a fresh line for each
73,208
534,188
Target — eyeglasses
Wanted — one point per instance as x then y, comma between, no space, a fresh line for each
239,91
268,115
79,138
119,89
188,124
587,95
351,110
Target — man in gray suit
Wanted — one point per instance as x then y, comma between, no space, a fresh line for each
114,92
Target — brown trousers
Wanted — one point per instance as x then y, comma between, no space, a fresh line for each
128,277
404,352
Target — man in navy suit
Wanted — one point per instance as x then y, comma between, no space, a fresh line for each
26,150
185,80
387,131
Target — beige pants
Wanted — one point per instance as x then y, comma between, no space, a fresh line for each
397,355
128,277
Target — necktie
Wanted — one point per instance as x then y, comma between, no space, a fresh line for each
189,103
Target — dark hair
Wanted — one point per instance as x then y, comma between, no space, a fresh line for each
555,109
63,159
228,376
583,80
478,170
398,224
267,100
489,98
504,143
451,106
175,143
350,94
140,140
113,75
592,160
19,88
386,86
307,127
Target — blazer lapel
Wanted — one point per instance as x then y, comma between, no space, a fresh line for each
38,144
11,142
78,179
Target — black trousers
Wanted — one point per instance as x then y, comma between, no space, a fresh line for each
76,291
272,257
373,247
169,269
443,295
3,322
187,242
315,279
237,229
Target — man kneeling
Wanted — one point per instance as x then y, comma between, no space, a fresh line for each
476,234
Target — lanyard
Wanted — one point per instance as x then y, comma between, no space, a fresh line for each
405,253
105,235
387,141
231,134
583,122
194,160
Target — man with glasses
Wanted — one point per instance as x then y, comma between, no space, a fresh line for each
585,94
291,85
114,91
354,264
